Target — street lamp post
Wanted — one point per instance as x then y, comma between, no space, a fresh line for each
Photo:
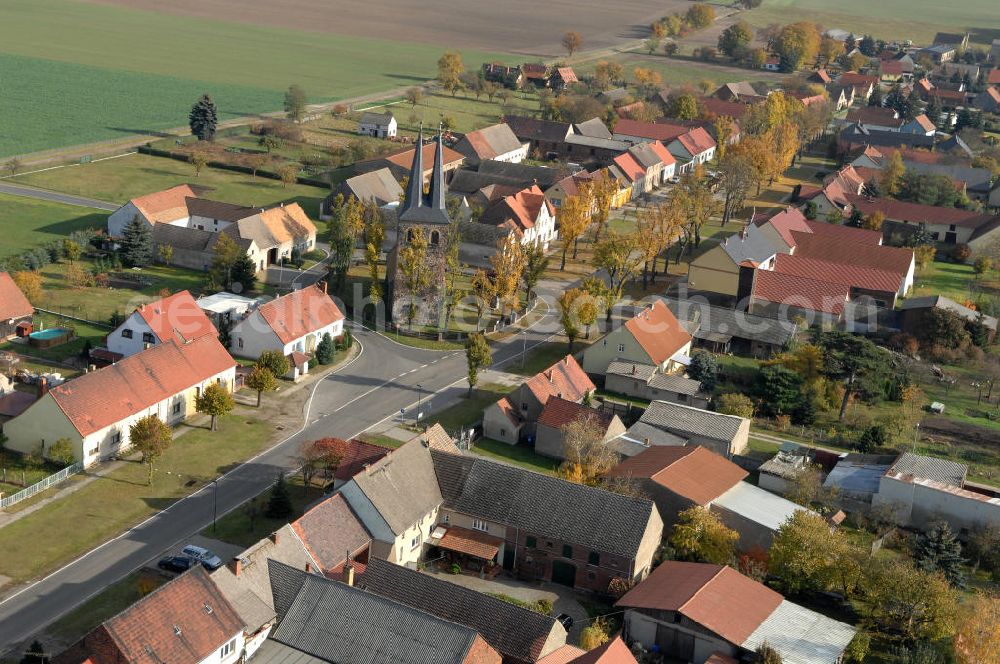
524,345
420,393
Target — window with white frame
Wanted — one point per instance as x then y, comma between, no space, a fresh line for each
228,649
116,437
621,348
127,333
177,408
479,524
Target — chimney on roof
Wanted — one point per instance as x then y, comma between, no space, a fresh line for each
349,570
236,566
309,568
273,537
322,285
43,387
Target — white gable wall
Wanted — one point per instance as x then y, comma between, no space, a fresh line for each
131,336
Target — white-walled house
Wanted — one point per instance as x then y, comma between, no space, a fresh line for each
94,412
379,125
496,142
291,323
176,317
527,214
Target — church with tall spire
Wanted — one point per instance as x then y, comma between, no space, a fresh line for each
424,213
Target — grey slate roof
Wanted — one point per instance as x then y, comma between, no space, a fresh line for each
381,119
544,176
597,142
532,129
514,632
272,652
636,370
640,432
499,138
751,245
402,486
725,321
338,623
859,135
859,473
250,592
677,418
537,503
942,302
977,180
648,374
930,468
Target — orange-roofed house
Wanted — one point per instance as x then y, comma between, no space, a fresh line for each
292,323
15,310
94,412
186,621
515,416
176,317
558,412
654,337
400,163
180,218
698,611
692,148
613,652
630,173
527,214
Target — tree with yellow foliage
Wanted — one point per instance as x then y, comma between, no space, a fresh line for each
978,637
574,216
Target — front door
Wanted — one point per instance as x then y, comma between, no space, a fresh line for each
564,573
675,643
508,558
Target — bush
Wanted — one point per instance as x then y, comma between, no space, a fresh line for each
544,606
857,649
279,503
325,350
455,569
961,253
61,452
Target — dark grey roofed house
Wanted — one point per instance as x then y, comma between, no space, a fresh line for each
957,144
493,142
543,176
725,435
337,623
856,135
977,180
538,503
545,135
717,327
749,245
518,634
467,183
942,302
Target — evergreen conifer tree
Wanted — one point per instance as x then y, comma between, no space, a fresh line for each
203,118
325,350
244,273
938,551
279,503
137,243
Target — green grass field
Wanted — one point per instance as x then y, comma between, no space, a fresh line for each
78,72
117,180
28,223
890,19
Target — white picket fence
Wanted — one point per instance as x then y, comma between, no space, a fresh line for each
37,487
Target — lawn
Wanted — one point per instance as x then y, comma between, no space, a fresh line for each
948,279
61,353
469,410
235,526
543,356
63,529
382,440
83,72
118,180
890,19
27,223
518,455
675,72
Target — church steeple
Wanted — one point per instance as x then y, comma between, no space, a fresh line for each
437,176
415,187
430,208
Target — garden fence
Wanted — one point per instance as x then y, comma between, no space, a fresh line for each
38,487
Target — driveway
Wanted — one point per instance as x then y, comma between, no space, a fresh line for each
564,600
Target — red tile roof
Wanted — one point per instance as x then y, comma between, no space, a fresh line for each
994,77
916,213
183,622
300,312
822,76
801,292
507,409
856,79
177,317
695,473
566,74
562,655
661,151
785,222
167,205
654,131
330,531
101,398
715,107
925,122
404,158
472,542
629,166
891,259
844,233
892,67
613,652
719,658
696,141
559,412
566,379
13,303
855,276
658,331
716,597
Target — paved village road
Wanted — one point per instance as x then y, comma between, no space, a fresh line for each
380,381
55,197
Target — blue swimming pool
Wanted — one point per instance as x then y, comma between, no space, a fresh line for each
51,333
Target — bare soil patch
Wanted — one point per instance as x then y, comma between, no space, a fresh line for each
514,26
